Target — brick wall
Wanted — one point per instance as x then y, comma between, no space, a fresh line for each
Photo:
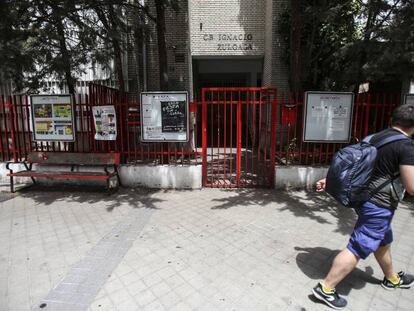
280,72
177,39
227,27
268,60
218,28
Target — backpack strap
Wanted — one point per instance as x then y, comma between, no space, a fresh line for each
385,141
380,144
384,184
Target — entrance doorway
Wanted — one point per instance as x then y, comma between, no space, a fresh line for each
226,72
238,137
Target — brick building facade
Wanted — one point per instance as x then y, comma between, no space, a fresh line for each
216,43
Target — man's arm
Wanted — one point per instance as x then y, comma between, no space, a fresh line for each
407,177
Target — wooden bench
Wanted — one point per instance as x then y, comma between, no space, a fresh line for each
109,162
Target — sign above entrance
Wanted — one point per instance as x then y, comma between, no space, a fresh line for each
231,42
52,117
164,116
328,117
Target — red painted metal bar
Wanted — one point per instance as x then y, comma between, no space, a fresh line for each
239,142
225,140
3,136
368,106
231,138
212,140
12,130
21,127
273,143
218,148
81,125
259,134
204,135
18,145
253,136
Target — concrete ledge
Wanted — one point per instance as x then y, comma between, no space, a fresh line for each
298,177
178,177
161,176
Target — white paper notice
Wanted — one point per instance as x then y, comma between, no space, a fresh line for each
318,111
337,125
105,122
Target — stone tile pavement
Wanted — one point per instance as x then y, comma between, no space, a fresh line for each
207,249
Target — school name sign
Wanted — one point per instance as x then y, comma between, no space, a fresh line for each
231,42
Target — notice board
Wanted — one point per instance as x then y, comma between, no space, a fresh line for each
104,118
52,117
164,117
328,117
409,99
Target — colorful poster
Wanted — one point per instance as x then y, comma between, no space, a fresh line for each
105,122
164,117
43,111
62,111
52,117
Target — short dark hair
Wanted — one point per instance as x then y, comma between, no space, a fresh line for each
403,116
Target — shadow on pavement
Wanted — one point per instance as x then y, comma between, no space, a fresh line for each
300,203
137,197
315,263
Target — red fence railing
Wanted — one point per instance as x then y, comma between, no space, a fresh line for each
16,137
371,113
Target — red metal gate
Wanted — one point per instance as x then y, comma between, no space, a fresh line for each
238,132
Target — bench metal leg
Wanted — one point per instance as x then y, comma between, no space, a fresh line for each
11,184
117,176
29,168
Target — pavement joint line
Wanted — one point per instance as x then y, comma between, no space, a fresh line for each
82,283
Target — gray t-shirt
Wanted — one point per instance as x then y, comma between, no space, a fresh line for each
389,158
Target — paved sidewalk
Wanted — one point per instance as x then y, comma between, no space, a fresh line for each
208,249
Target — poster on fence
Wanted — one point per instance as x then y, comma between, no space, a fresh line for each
104,118
409,99
164,117
328,117
52,117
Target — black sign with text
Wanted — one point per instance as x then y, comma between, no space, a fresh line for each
173,116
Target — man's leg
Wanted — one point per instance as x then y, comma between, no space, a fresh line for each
391,280
383,257
342,265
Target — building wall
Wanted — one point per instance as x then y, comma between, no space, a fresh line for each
177,40
203,29
280,71
227,27
268,60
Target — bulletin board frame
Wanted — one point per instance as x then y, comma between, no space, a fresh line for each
409,98
328,117
159,111
56,113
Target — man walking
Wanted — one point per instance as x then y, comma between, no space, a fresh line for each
372,232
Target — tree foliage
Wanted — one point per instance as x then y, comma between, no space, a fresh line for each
344,43
58,39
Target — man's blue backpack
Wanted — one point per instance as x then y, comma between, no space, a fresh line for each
350,171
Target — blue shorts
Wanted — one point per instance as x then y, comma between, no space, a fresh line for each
372,230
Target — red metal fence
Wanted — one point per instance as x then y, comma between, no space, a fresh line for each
239,126
372,113
16,137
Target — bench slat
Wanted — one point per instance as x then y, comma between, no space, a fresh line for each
78,175
73,158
